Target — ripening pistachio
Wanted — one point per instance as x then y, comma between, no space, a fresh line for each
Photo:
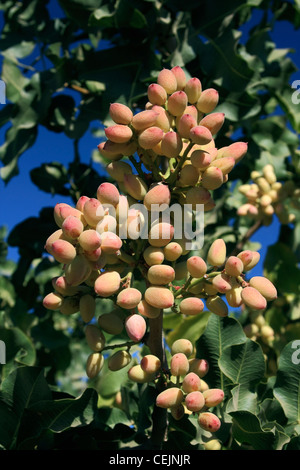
110,242
164,119
89,240
138,375
135,186
213,397
107,193
93,212
119,360
167,80
118,133
201,159
254,261
53,301
80,203
267,333
200,135
197,195
153,255
150,137
253,298
269,174
208,100
212,178
135,326
237,150
251,330
180,77
225,164
179,364
191,306
209,421
217,253
157,94
177,102
150,363
158,194
112,323
169,398
183,346
57,235
234,266
194,401
118,169
60,285
120,113
246,257
94,337
212,444
69,306
193,89
198,366
181,271
94,364
172,251
213,122
129,298
264,286
171,144
189,176
222,283
217,305
63,251
87,307
191,383
234,296
144,119
107,224
110,150
160,234
63,210
177,411
184,125
160,274
77,271
248,209
107,284
148,310
159,297
209,288
72,227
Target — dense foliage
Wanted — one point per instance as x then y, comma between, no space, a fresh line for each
63,74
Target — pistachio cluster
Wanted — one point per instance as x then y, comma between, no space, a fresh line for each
267,197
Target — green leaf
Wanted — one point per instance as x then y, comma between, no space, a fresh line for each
19,347
287,385
220,333
59,415
247,429
242,400
280,267
51,178
189,327
7,291
20,390
244,363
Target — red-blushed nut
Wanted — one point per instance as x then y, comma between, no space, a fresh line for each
169,398
135,326
253,298
209,421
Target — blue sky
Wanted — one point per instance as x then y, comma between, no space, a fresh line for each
23,199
